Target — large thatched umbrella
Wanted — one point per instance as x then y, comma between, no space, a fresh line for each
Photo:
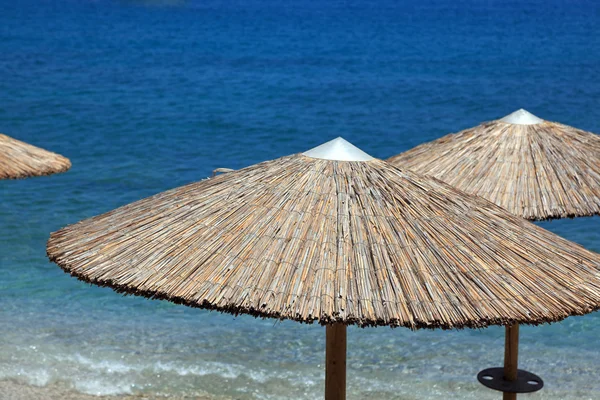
337,237
533,168
22,160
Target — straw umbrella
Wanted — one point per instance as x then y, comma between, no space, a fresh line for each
337,237
22,160
533,168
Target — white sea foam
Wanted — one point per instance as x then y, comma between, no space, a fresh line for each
35,377
103,387
104,365
227,371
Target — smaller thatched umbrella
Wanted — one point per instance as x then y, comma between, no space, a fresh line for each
337,237
533,168
22,160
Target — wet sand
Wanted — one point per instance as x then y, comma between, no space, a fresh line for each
13,390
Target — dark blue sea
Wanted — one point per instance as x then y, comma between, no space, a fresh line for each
144,96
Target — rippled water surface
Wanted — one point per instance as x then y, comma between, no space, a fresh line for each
144,96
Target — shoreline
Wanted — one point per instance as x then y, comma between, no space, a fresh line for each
11,389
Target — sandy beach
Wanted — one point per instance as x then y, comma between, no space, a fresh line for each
13,390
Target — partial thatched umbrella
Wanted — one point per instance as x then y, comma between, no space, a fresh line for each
337,237
22,160
533,168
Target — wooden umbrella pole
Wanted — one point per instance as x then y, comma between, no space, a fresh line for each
335,362
511,357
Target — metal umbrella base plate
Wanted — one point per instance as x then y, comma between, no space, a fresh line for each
526,382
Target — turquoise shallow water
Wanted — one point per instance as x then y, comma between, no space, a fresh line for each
144,96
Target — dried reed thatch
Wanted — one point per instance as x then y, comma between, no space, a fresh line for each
533,168
352,242
22,160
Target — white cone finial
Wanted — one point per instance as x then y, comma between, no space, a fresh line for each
338,150
522,117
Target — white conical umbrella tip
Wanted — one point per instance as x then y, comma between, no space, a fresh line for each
522,117
338,149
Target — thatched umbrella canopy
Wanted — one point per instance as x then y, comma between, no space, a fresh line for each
533,168
337,237
21,160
